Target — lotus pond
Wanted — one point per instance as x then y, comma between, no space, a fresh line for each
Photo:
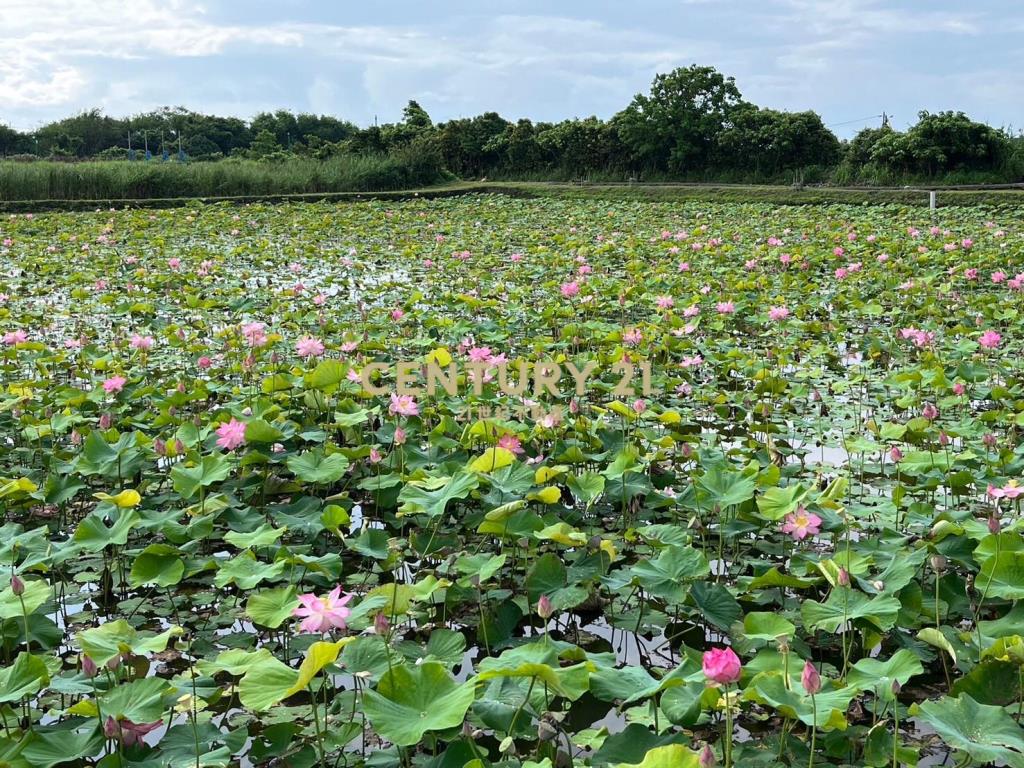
776,524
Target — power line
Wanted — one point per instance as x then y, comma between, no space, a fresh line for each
858,120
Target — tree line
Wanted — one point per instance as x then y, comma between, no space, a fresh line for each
693,124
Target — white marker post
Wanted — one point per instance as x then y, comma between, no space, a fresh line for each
931,199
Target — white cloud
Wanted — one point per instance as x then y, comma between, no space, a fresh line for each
58,56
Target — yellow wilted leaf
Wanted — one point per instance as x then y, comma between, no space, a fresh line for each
563,533
492,459
549,495
669,417
608,547
126,499
441,356
544,474
319,655
621,409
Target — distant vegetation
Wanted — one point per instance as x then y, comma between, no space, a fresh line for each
693,125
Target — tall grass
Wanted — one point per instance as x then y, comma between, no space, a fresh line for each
228,178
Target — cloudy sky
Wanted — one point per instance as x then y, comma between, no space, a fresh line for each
846,59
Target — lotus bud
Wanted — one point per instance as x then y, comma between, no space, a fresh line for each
105,421
114,663
896,454
707,757
89,666
843,578
544,608
381,625
938,563
17,585
160,447
76,437
179,447
878,585
110,728
896,687
943,438
810,679
993,524
989,440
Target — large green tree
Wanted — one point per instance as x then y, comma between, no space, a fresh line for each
676,126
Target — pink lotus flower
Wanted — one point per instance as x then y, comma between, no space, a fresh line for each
778,313
511,443
397,314
255,334
1009,491
403,405
400,436
321,614
896,454
204,362
990,339
810,679
480,354
684,266
664,302
639,406
930,412
544,607
801,524
959,388
141,342
721,665
174,263
725,307
231,434
570,289
127,732
309,347
632,337
11,338
114,384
